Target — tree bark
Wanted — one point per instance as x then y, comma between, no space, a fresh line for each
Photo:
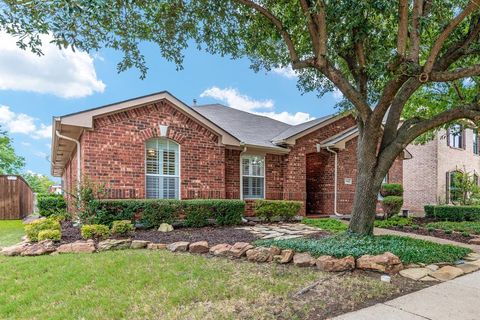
368,182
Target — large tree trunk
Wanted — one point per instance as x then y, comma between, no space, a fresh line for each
368,183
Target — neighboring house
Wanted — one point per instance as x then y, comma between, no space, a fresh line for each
429,176
156,146
56,189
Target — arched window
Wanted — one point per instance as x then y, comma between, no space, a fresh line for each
162,169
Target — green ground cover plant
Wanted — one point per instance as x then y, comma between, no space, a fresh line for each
328,224
409,250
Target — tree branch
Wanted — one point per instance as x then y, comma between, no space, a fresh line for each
311,24
456,74
415,34
322,33
277,23
402,28
437,46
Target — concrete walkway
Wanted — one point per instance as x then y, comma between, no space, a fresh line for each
379,231
455,299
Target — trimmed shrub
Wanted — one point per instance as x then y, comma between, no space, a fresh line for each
395,222
33,228
153,212
49,204
391,205
276,209
472,227
391,189
54,235
157,212
453,213
122,227
94,231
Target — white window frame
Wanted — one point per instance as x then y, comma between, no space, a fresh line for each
164,175
264,175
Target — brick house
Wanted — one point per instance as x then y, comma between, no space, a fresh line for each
156,146
428,176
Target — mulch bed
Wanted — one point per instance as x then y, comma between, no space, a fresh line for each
454,236
213,235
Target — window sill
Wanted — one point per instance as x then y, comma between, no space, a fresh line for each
455,148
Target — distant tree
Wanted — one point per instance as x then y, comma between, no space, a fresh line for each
404,67
464,189
38,182
10,163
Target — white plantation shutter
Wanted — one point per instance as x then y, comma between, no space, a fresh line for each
253,177
162,169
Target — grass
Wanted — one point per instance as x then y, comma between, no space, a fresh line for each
141,284
409,250
11,232
394,222
328,224
470,227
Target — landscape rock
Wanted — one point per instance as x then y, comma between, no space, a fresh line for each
387,262
259,254
415,273
428,278
286,256
332,264
239,249
275,251
199,247
447,273
221,249
14,250
39,248
468,267
114,244
303,260
165,227
139,244
432,267
79,246
475,240
180,246
156,246
472,257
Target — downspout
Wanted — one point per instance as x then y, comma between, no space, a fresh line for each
336,182
241,180
57,133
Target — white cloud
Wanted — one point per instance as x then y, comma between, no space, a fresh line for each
26,144
40,154
337,94
23,123
64,73
234,99
286,72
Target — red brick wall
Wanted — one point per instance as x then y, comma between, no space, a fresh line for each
232,174
114,152
295,170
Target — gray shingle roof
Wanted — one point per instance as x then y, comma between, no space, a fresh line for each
247,127
294,130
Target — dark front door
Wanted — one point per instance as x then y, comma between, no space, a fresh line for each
315,165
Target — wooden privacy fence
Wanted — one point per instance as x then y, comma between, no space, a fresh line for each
16,198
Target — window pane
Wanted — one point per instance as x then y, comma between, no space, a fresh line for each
152,187
252,187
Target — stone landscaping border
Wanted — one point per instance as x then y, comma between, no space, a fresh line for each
383,263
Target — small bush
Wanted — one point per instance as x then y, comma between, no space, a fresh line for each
391,205
448,231
54,235
415,226
49,204
328,224
391,189
33,228
276,209
122,227
465,234
94,231
452,213
394,222
61,216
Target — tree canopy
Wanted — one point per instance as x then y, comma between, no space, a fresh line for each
39,183
405,67
10,163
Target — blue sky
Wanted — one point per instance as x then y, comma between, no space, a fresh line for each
34,89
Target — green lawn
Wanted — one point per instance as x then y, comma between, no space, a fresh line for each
141,284
409,250
11,232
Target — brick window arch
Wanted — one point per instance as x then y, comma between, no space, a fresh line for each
162,169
